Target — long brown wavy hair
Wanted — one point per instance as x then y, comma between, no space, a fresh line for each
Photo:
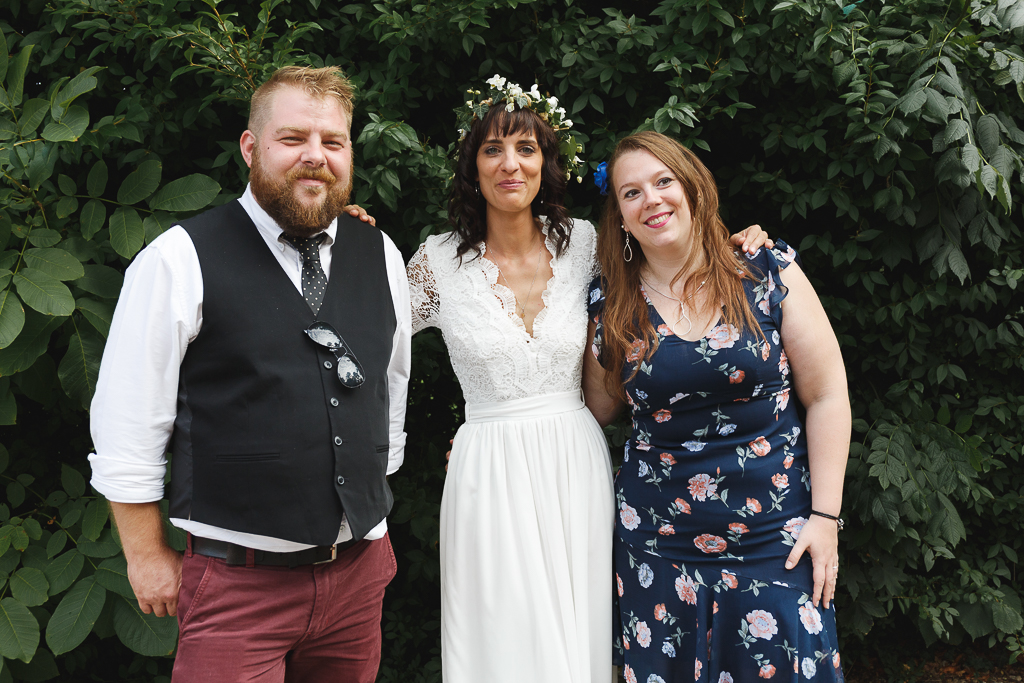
625,319
467,208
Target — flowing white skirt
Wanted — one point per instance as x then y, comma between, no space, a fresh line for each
526,545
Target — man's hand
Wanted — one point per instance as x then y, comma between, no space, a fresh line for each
154,568
359,212
156,579
751,239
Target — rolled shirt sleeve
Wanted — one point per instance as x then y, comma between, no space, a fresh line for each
401,352
158,313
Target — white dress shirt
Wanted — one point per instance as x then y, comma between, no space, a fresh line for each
159,312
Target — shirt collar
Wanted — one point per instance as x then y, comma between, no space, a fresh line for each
268,226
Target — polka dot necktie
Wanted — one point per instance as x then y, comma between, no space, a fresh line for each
314,282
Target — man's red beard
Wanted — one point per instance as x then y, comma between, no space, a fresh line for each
279,199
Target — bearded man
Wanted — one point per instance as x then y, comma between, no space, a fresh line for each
275,370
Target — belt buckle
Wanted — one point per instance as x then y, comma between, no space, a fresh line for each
334,555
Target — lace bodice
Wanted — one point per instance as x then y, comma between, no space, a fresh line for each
492,354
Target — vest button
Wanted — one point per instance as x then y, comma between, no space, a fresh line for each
334,402
328,364
341,481
337,441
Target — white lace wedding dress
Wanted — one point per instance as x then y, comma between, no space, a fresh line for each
527,512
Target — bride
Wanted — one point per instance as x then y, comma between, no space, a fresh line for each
527,511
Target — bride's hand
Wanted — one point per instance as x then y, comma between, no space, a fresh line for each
752,239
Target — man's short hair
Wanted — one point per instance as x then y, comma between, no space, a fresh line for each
319,83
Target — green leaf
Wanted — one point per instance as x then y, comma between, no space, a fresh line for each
4,56
30,344
1005,618
844,72
75,616
44,293
16,75
66,206
79,370
29,586
82,83
126,232
94,215
70,127
32,114
112,574
99,313
66,184
955,129
56,263
72,481
94,519
97,181
106,546
19,630
144,633
56,543
190,193
12,317
141,182
913,101
103,281
988,134
63,571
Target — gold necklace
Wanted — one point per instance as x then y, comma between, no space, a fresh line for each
521,311
682,312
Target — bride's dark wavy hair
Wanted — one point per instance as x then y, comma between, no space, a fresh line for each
467,210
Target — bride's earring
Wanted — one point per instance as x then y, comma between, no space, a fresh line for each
627,251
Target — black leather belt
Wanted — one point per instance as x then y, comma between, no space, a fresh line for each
238,555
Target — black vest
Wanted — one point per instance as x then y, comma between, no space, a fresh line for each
266,439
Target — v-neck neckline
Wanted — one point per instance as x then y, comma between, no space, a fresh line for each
672,333
517,322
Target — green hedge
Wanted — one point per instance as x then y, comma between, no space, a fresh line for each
882,140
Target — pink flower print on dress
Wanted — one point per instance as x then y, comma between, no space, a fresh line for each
723,336
764,306
767,670
643,634
662,415
765,351
788,462
686,589
729,579
762,624
618,581
753,505
781,400
628,516
683,506
702,486
627,672
810,618
660,612
781,481
667,459
625,644
636,350
725,677
796,665
664,330
835,659
783,364
795,525
709,543
696,669
760,446
738,528
736,376
808,667
666,530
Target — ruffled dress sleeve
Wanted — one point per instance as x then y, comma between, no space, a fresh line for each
426,303
595,306
768,294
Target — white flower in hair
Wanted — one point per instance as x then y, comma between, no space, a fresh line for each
567,123
510,107
535,92
514,90
496,82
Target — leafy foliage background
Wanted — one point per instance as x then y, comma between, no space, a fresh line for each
881,137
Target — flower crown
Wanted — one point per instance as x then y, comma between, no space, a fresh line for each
500,91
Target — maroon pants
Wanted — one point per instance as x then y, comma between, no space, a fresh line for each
274,624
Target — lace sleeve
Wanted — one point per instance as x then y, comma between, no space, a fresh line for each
422,291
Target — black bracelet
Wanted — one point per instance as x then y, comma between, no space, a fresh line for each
837,520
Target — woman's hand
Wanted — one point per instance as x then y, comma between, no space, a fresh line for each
359,212
820,538
752,239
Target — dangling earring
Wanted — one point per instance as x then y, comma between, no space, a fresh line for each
478,189
627,251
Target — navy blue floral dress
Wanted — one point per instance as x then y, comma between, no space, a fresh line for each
713,491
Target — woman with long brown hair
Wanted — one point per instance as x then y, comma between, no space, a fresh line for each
527,507
723,487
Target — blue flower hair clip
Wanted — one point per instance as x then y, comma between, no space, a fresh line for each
601,177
